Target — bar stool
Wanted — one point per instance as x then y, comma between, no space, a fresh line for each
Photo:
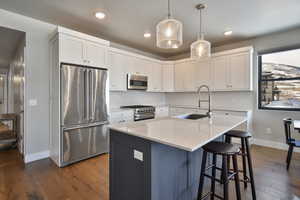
246,157
226,151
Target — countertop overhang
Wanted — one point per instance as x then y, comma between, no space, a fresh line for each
185,134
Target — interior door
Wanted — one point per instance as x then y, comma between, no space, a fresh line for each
98,96
73,95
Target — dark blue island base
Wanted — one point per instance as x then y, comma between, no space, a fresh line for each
144,170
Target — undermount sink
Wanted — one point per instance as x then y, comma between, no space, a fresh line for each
192,116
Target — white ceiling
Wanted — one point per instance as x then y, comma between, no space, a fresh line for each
9,40
127,20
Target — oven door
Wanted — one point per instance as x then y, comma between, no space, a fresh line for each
143,116
137,82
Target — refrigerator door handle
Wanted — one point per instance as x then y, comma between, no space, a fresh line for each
87,96
91,95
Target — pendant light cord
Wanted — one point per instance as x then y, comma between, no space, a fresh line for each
200,25
169,10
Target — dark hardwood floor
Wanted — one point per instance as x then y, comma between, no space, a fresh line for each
88,180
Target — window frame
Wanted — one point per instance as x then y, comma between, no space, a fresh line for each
259,79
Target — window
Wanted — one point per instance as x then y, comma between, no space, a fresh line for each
279,80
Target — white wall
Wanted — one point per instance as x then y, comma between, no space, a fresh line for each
37,78
118,99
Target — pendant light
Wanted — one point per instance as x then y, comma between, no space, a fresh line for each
200,48
169,32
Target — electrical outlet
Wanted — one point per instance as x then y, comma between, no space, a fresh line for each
33,102
138,155
269,131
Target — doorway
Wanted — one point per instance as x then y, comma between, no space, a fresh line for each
12,86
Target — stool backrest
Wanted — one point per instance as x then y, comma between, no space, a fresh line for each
287,128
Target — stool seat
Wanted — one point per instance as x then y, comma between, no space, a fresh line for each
221,148
238,134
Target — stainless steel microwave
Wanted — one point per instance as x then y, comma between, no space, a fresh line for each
137,82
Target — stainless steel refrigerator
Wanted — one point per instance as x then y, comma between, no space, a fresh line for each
84,112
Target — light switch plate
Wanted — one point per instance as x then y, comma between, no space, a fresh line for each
138,155
32,102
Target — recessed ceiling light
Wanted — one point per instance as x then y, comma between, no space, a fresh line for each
227,33
147,35
100,15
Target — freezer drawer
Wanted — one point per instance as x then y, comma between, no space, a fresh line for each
82,143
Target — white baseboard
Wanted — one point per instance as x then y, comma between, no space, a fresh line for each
271,144
36,156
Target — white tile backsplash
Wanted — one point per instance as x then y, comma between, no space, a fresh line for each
118,99
224,100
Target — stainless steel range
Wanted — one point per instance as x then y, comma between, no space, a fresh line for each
142,112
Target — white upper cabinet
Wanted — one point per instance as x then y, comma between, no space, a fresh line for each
95,54
232,72
185,76
71,50
179,76
138,66
240,72
203,73
155,77
117,63
168,78
219,76
81,49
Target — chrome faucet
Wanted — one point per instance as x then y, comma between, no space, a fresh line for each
207,100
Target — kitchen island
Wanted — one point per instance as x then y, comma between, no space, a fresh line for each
160,159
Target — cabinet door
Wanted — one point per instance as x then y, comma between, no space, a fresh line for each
203,73
189,77
154,77
219,66
71,50
117,76
136,66
179,76
95,54
239,71
168,78
157,77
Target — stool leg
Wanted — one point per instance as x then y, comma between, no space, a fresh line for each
289,157
212,189
236,177
227,140
225,177
244,162
250,169
201,183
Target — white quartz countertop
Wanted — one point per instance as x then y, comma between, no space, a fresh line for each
184,134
